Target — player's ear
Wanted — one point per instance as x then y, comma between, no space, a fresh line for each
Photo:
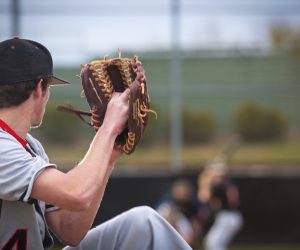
38,89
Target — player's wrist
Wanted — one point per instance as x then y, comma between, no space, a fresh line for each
108,131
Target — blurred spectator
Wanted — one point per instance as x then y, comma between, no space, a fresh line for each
181,208
221,195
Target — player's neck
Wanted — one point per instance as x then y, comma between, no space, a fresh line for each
17,118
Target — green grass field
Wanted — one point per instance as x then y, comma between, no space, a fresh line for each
275,155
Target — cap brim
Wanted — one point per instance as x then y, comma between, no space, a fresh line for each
57,81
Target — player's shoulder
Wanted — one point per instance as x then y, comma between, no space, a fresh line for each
6,139
10,148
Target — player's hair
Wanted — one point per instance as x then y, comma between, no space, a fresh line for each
12,95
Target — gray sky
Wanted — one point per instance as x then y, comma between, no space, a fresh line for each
76,30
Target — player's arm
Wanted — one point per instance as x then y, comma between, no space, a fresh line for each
76,189
71,227
82,187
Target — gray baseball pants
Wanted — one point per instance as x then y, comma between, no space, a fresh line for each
139,228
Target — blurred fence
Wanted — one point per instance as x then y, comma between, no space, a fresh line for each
215,81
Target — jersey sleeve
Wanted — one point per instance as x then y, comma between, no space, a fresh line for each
18,168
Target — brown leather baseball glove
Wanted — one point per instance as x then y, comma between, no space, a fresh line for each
100,79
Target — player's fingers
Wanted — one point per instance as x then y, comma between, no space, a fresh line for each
125,94
122,95
116,94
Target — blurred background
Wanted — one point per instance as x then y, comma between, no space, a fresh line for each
224,78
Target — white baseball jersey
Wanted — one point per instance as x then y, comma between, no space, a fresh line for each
22,222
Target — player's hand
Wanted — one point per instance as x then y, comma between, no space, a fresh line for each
117,111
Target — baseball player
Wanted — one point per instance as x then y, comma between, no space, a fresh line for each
222,197
36,198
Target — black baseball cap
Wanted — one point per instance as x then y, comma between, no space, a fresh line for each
24,60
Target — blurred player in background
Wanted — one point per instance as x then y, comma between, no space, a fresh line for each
221,195
181,208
